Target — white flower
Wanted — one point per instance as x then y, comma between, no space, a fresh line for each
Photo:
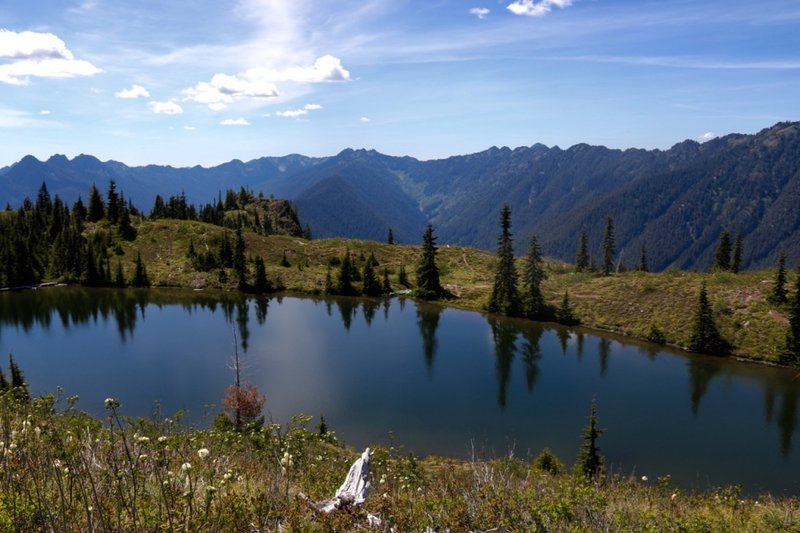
142,457
211,488
38,431
111,403
644,478
185,467
142,439
162,438
202,453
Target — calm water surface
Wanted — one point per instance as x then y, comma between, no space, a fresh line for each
436,381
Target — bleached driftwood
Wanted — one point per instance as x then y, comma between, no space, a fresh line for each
352,492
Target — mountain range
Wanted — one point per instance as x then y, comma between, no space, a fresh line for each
675,202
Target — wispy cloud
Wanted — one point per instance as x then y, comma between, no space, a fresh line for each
137,91
480,12
12,118
42,55
294,113
170,107
684,62
234,122
531,8
44,112
363,120
707,136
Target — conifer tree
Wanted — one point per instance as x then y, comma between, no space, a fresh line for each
125,228
705,335
505,298
564,314
371,285
779,292
390,237
642,266
608,247
239,266
793,337
285,260
79,210
402,277
226,251
329,282
582,257
112,203
119,276
428,285
344,282
532,277
590,462
43,203
722,257
736,260
96,209
4,385
386,285
261,284
139,278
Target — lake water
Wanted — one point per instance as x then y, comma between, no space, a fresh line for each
432,380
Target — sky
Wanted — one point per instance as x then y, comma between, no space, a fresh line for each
203,82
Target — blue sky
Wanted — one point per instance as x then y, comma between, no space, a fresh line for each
203,82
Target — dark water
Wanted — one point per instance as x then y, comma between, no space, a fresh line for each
435,381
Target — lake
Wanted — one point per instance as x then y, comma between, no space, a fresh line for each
427,379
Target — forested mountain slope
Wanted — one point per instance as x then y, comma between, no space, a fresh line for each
675,202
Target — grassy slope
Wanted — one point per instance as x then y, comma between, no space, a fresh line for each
68,472
629,303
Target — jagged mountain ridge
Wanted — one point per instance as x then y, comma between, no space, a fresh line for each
675,202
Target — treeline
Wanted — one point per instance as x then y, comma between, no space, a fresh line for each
242,209
47,239
513,296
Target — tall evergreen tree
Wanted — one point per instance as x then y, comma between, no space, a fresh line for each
532,277
119,276
642,266
261,284
705,335
226,251
564,313
386,285
402,277
125,228
372,286
608,247
79,212
722,257
505,298
428,285
140,278
43,203
112,203
793,337
96,209
736,260
582,257
18,386
239,266
390,237
590,462
779,293
344,282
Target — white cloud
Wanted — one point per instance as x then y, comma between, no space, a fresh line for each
44,112
707,136
294,113
480,12
224,89
363,120
137,91
170,107
532,8
42,55
189,128
234,122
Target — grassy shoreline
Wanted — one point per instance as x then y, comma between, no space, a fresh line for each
628,304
